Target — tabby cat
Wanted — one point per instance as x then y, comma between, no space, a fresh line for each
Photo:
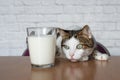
78,45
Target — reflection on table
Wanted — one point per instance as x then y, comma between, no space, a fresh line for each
66,70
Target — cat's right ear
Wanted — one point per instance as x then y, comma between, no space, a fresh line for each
62,32
86,30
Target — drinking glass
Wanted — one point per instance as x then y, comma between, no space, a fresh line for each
42,46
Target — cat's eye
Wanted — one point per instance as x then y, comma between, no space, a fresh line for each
66,47
79,46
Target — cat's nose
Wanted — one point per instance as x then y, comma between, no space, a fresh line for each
71,54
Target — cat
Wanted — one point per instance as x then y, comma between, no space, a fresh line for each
78,45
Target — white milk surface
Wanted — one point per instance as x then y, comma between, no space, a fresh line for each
42,49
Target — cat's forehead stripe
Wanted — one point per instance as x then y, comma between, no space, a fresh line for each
72,32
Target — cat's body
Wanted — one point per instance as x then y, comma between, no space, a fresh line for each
78,45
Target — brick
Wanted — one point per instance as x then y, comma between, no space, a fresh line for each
104,17
118,18
86,2
51,9
10,10
4,52
29,18
2,35
8,18
117,43
72,26
103,26
15,36
60,25
27,2
89,9
3,44
4,10
64,18
109,9
118,9
78,18
118,26
16,10
114,51
109,26
107,2
24,26
85,9
89,18
98,9
16,52
34,10
12,27
1,20
49,24
97,27
70,18
75,2
43,10
102,2
107,43
4,48
6,2
65,2
107,35
69,9
48,2
49,18
12,44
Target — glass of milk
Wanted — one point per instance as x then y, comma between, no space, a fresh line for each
42,46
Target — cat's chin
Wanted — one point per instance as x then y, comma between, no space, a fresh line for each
73,60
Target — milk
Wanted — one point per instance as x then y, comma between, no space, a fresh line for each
42,49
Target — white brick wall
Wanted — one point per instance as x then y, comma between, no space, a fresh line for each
16,15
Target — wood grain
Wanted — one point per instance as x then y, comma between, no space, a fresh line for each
19,68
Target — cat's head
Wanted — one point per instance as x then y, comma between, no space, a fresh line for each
77,43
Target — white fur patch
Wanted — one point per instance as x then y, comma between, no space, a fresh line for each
84,58
78,53
72,43
100,56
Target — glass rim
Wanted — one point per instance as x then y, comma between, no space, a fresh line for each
40,27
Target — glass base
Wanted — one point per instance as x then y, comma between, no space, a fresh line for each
42,66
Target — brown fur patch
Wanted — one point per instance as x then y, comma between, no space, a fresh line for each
84,36
86,42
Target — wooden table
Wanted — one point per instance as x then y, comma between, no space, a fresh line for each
19,68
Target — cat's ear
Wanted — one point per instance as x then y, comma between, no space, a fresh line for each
86,30
62,32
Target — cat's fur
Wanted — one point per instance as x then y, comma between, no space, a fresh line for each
78,45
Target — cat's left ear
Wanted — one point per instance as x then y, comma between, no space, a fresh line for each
86,30
62,32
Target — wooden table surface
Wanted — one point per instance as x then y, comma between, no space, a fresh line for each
19,68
